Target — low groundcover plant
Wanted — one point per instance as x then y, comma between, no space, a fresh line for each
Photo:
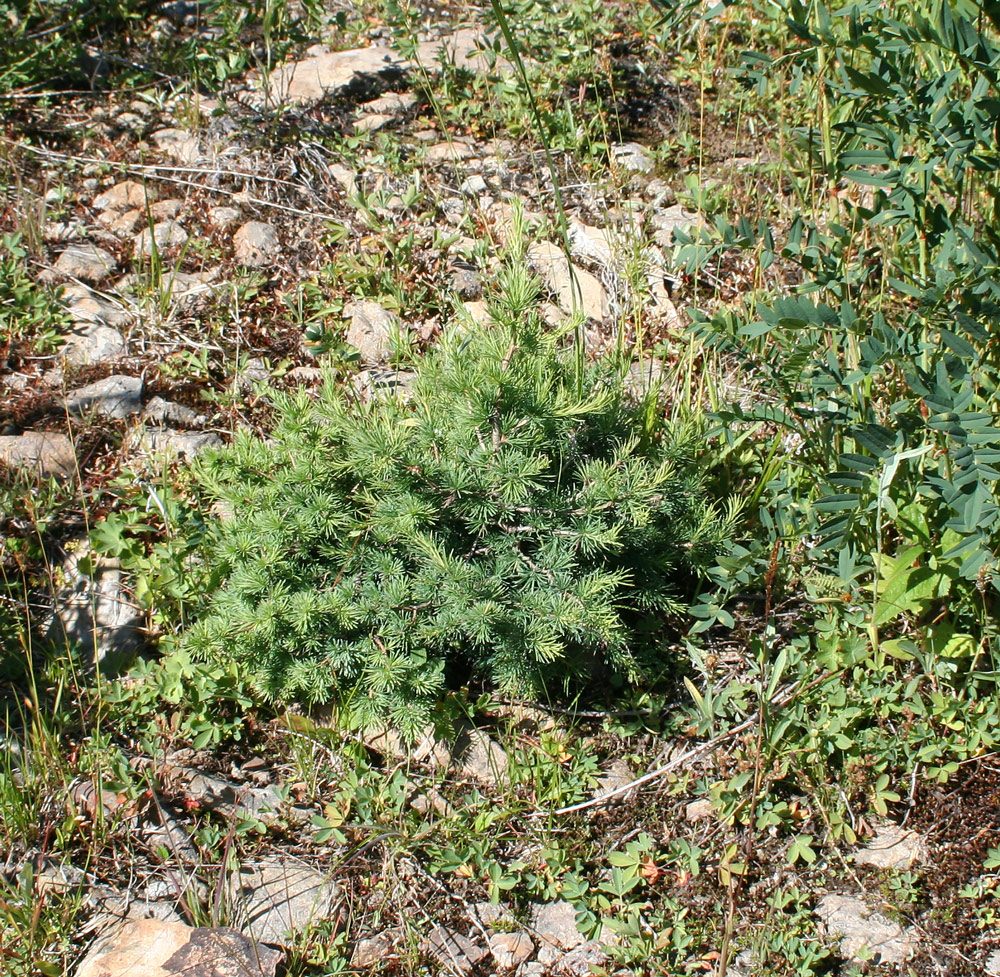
514,516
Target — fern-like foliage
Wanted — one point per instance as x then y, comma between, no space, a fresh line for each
507,515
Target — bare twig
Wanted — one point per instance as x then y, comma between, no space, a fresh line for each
786,695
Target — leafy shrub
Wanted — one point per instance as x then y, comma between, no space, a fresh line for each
510,514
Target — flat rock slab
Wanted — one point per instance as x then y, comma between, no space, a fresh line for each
179,144
115,397
166,443
865,933
370,330
274,900
555,925
41,452
164,948
256,244
632,157
510,950
333,73
91,343
87,262
127,195
163,234
575,288
893,847
453,951
96,612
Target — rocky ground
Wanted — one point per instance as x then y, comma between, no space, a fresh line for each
206,250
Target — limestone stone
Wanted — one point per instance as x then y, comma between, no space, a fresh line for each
256,244
275,899
178,144
166,443
575,288
87,262
84,305
114,397
94,610
370,330
511,949
137,947
167,948
41,452
865,933
373,122
160,411
893,847
329,73
223,216
453,951
632,157
451,151
554,924
165,234
167,209
127,195
91,343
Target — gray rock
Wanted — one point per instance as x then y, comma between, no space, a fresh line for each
699,810
58,232
370,330
487,916
166,209
591,244
115,397
581,961
240,800
87,262
160,411
665,222
333,74
165,234
127,195
474,185
453,951
84,305
372,951
223,216
390,104
166,948
179,144
465,281
554,924
122,225
468,48
632,157
865,933
575,288
452,151
91,343
511,949
893,847
41,452
476,756
256,244
348,179
993,964
95,612
138,946
169,834
372,122
618,774
166,443
274,900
